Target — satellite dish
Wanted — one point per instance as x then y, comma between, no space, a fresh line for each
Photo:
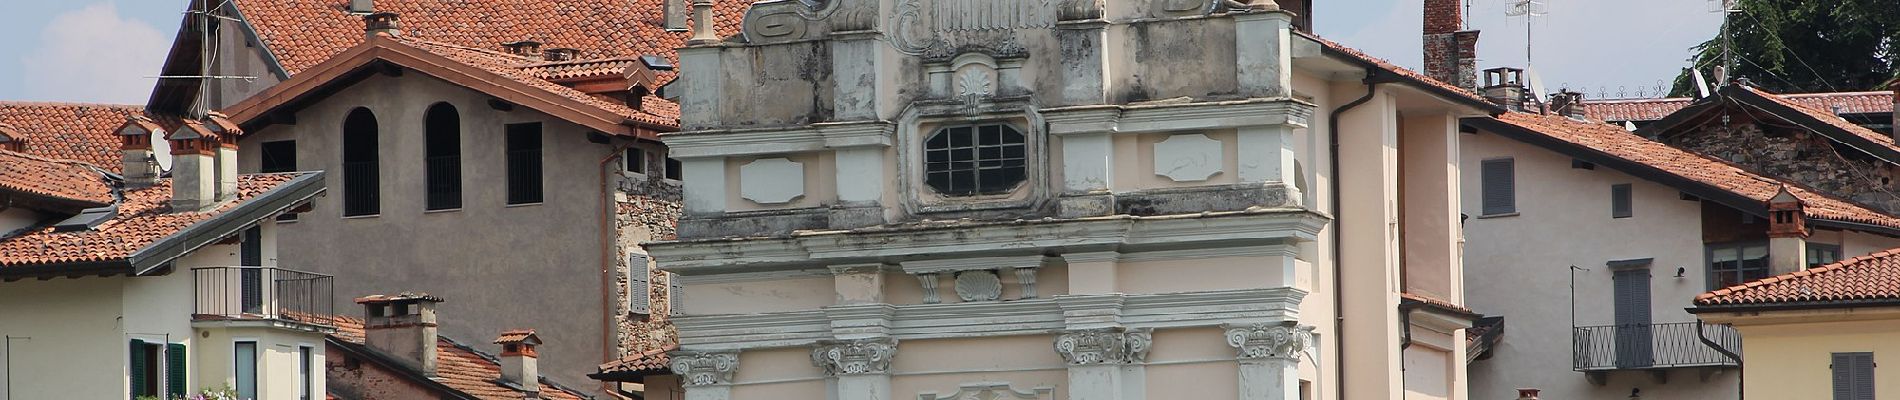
1629,126
1537,85
1701,84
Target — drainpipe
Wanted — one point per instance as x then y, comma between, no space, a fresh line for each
1373,79
1739,380
607,259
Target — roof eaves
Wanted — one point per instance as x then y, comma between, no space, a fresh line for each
276,200
1638,169
380,359
1786,112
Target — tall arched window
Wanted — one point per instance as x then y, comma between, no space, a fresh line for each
361,193
443,128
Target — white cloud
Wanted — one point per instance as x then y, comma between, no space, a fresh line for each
94,55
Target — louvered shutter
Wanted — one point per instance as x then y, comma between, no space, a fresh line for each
1620,201
639,285
137,368
175,370
675,295
1499,182
1864,376
1853,376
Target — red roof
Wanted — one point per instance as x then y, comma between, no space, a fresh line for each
70,131
1874,277
143,217
65,180
461,367
1620,143
303,33
516,68
1828,117
651,360
1415,76
1656,109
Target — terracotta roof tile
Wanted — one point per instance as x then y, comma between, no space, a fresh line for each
1434,302
1409,74
1621,143
462,368
559,70
1873,277
1656,109
651,360
1828,117
144,217
512,67
70,131
67,180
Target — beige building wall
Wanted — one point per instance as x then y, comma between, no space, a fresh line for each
1792,350
63,328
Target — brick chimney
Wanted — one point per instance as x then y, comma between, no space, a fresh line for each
526,48
194,167
1527,394
562,54
403,327
1505,87
519,366
382,23
1451,52
136,158
11,139
1567,103
1787,234
226,162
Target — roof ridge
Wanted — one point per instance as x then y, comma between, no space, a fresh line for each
461,47
33,103
48,159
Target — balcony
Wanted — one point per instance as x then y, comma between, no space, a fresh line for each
1653,347
263,295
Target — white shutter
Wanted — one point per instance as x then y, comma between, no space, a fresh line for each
675,295
639,285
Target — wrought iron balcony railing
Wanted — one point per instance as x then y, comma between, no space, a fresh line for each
1653,346
263,294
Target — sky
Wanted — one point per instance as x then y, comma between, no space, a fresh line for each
107,51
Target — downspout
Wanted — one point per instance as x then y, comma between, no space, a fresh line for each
1405,342
1339,300
607,259
1739,380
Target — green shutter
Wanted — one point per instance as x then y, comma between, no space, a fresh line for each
175,370
137,368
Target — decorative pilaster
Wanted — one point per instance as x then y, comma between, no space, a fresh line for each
1269,359
863,367
929,282
1105,364
1026,280
707,376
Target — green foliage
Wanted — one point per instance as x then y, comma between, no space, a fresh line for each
1792,46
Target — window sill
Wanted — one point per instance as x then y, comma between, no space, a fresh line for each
366,216
441,211
523,205
1504,215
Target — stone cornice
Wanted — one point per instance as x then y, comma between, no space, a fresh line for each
738,142
1177,117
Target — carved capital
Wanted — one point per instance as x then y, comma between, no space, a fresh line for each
1105,346
1269,341
855,357
705,369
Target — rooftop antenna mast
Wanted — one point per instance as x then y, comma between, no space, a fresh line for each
204,13
1530,10
1728,8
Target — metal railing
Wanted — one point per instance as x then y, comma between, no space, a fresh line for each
263,293
445,182
1652,346
361,189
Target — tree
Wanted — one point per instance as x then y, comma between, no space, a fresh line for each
1794,46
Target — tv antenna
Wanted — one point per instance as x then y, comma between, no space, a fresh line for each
1530,10
1728,8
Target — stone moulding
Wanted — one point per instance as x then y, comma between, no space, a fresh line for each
705,369
991,391
1178,117
854,357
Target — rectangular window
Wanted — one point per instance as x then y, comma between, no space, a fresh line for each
244,365
1853,376
1499,182
278,156
636,161
1620,200
524,163
143,370
1823,254
305,382
672,168
1733,264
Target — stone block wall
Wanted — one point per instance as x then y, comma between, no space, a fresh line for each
1804,157
649,211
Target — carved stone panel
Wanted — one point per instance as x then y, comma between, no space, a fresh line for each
772,181
979,286
916,27
704,369
855,357
991,391
1181,8
1269,341
1188,158
1104,346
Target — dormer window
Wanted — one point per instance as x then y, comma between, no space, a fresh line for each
978,159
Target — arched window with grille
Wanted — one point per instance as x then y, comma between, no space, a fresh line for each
361,190
442,126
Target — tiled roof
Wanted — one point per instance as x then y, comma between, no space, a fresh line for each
144,217
515,336
67,180
461,367
559,70
1869,278
303,33
1656,109
1722,175
1828,117
1433,302
70,131
651,360
512,67
1415,76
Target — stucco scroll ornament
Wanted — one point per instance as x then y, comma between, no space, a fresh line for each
974,85
908,31
1270,341
855,357
979,286
703,369
778,21
1105,346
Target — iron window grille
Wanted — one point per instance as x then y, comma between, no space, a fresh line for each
524,163
979,159
443,156
360,181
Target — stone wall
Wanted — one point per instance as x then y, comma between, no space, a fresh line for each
1798,155
647,209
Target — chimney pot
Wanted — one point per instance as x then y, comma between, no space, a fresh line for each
1567,103
525,48
1787,233
519,361
136,157
563,54
1505,87
11,139
404,327
382,23
194,167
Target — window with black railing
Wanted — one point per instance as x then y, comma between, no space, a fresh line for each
1654,346
524,163
263,293
361,189
443,153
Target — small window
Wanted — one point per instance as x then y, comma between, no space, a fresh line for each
524,163
970,160
361,190
1737,263
1620,201
306,382
672,168
278,156
636,161
1823,254
1499,181
1853,376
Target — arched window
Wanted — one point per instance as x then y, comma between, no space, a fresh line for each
443,128
361,193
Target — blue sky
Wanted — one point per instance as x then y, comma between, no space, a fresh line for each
106,50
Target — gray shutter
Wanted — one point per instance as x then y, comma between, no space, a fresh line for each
675,295
1620,201
639,285
1499,181
1853,376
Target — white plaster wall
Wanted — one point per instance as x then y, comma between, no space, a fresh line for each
277,359
62,328
1429,165
1215,273
1520,269
1855,244
1427,373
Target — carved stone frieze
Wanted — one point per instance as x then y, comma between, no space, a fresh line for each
1105,346
855,357
1181,8
1269,341
979,286
703,369
791,20
991,391
918,27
